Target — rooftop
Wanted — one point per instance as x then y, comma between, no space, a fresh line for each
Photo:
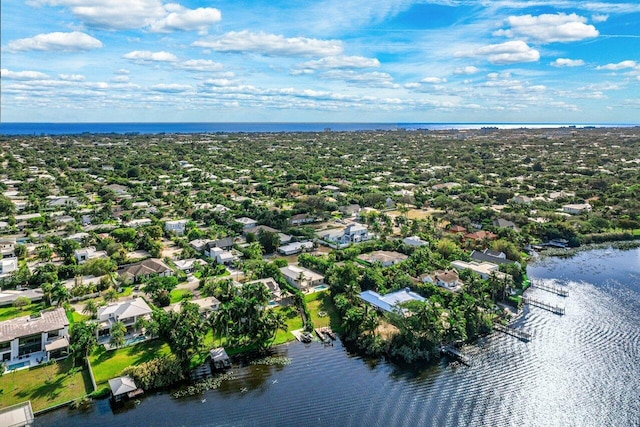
49,320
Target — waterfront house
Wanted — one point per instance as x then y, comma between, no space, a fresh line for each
127,312
483,269
491,256
301,277
219,358
390,302
29,340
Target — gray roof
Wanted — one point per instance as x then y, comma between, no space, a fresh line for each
486,257
19,414
122,385
9,296
389,302
51,320
124,310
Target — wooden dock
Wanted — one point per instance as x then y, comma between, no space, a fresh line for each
450,351
556,309
518,333
550,288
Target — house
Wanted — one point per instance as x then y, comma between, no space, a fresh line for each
78,237
7,248
414,241
123,388
301,219
294,248
26,341
447,279
354,233
224,243
219,358
85,254
18,415
504,223
198,244
521,200
390,302
7,267
205,306
272,286
385,258
301,277
144,269
127,312
221,256
480,235
350,210
457,229
491,256
135,223
483,269
188,265
8,296
178,226
576,209
247,223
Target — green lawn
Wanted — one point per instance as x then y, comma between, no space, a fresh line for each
177,295
321,302
7,313
109,364
45,386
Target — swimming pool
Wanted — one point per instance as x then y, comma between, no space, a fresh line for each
320,288
18,365
134,340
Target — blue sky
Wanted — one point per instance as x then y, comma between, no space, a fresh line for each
334,60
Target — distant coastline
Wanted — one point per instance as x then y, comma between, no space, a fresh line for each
37,129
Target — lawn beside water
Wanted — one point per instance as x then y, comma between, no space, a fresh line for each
45,386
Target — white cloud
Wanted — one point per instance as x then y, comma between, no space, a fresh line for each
171,88
373,79
412,85
599,18
65,42
271,44
120,79
618,66
566,62
433,80
183,19
122,71
72,77
200,65
340,62
548,28
146,55
22,75
469,69
505,53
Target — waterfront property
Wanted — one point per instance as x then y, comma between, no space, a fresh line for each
389,302
18,415
123,388
483,269
30,340
301,277
219,358
127,312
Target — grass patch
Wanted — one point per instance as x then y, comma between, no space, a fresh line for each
45,386
321,303
178,295
109,364
8,313
126,291
294,321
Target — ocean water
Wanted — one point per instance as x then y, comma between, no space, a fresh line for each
581,369
36,129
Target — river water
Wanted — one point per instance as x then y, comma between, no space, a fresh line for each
580,369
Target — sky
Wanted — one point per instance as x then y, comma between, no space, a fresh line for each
464,61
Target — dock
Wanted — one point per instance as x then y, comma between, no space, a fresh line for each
556,309
558,290
518,333
450,351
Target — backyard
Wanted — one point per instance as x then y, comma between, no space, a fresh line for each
45,386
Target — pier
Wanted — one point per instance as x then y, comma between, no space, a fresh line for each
558,290
450,351
556,309
518,333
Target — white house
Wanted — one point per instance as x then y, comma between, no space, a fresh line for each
178,226
26,341
135,223
294,248
577,209
221,256
483,269
8,266
272,286
247,223
301,277
127,312
85,254
385,258
390,302
447,279
414,241
354,233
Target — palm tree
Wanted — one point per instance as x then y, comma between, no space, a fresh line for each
60,293
91,308
117,332
110,295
